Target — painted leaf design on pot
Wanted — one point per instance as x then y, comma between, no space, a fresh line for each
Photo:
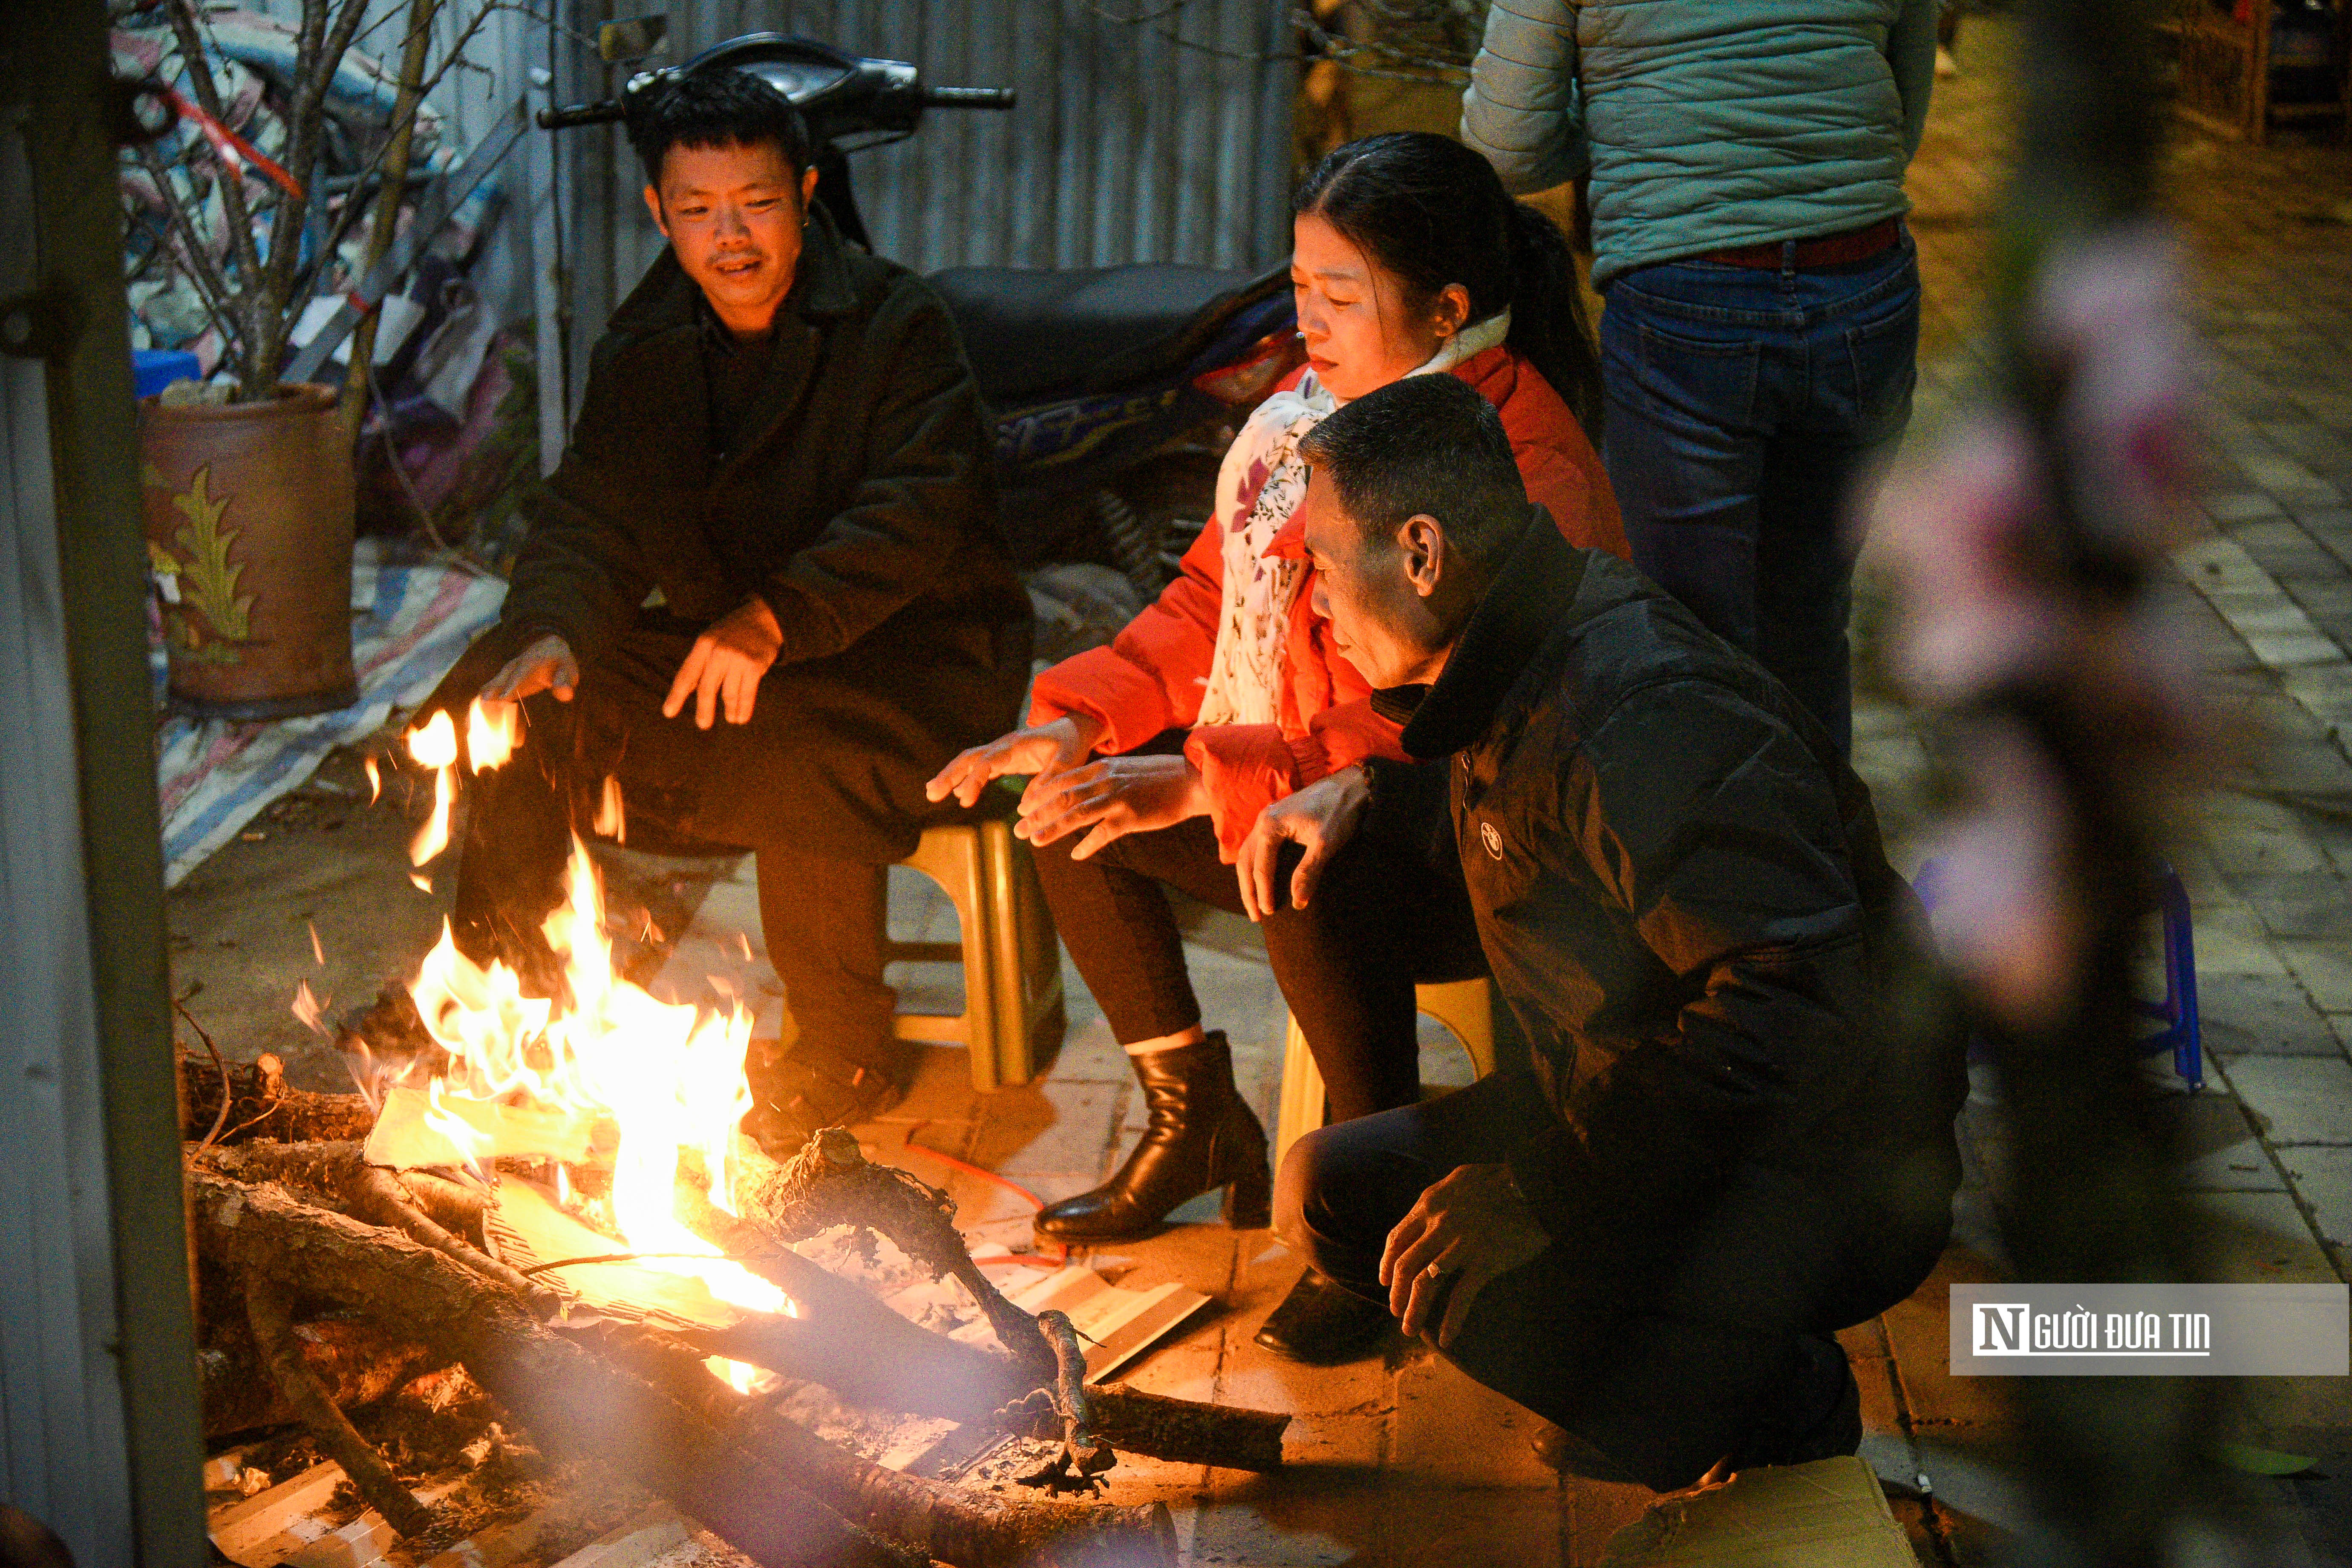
208,578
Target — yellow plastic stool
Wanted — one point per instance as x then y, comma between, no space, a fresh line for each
1012,960
1466,1008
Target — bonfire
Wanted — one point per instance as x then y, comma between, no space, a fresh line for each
551,1192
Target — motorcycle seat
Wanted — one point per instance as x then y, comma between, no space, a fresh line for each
1032,330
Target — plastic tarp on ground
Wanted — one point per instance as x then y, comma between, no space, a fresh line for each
410,620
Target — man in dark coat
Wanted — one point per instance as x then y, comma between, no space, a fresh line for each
1737,1136
764,595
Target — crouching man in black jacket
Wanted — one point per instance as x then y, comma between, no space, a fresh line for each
764,597
1736,1137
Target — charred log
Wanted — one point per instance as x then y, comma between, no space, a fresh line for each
273,1334
974,1530
1180,1431
261,1106
863,1351
830,1182
356,1362
572,1400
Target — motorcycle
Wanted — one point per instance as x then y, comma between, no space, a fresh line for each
1106,383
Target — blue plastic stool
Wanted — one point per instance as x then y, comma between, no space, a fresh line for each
2178,1011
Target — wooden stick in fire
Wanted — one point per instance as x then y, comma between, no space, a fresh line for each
571,1400
273,1334
642,1401
830,1182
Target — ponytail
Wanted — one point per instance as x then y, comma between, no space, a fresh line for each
1547,315
1433,213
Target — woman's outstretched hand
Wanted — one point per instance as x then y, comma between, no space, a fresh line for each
1110,799
1044,750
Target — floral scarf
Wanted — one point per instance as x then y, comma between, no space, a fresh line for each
1259,486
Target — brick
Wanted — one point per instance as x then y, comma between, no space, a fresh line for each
2262,1239
2261,1016
2322,1176
2312,903
2296,1099
1451,1431
2325,971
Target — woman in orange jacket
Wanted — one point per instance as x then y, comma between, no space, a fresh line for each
1153,757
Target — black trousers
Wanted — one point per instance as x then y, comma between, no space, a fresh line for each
1383,919
1659,1364
821,916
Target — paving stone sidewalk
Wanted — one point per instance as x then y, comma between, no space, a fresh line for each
2267,594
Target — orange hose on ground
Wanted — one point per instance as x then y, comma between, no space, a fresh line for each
1061,1250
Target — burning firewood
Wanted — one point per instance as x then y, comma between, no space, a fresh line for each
863,1351
1084,1456
356,1362
965,1527
643,1402
261,1105
273,1334
330,1174
830,1182
569,1398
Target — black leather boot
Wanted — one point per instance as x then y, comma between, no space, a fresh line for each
1202,1136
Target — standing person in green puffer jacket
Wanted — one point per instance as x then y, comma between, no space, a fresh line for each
1759,339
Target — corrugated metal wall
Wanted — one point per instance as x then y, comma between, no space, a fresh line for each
1148,130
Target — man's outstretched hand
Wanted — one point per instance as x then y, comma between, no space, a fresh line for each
547,664
1322,817
725,666
1473,1226
1044,750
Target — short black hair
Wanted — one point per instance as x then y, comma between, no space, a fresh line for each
714,107
1427,444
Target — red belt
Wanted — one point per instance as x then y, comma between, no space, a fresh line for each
1827,250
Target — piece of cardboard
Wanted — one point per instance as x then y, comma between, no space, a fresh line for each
1116,1325
241,1530
1831,1513
643,1541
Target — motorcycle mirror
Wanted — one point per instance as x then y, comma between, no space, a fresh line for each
631,38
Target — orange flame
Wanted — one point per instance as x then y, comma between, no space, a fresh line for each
491,736
317,952
374,778
610,823
308,1008
436,747
669,1076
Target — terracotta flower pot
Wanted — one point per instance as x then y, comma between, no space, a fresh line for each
248,510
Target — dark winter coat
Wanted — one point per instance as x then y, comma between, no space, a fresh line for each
1682,893
857,502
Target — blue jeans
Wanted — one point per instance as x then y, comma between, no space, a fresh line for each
1743,405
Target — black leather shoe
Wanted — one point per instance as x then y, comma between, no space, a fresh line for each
794,1096
1202,1136
1323,1324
